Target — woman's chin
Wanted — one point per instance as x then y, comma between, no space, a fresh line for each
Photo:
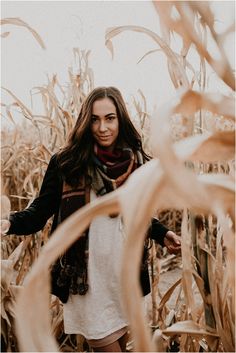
106,145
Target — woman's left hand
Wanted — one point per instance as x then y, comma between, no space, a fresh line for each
172,242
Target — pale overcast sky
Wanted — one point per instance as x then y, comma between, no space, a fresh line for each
64,25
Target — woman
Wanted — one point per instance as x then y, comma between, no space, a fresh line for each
103,149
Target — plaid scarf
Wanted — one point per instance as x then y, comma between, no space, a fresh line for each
110,170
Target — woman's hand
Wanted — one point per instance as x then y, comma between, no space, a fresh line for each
4,226
5,213
172,242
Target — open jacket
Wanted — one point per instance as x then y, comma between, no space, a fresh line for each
47,204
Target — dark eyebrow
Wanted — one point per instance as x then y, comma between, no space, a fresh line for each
106,116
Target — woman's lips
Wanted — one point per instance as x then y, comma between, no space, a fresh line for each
104,137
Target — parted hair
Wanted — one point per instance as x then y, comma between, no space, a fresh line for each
75,157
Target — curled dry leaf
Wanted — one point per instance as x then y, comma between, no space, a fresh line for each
8,291
6,275
5,34
221,188
7,266
207,147
158,341
8,305
163,148
184,25
192,101
27,113
178,76
187,327
18,22
168,294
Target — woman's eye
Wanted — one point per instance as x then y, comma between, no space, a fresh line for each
93,120
111,117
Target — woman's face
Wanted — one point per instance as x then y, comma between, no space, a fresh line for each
105,123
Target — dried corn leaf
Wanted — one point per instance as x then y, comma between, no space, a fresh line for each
169,25
18,22
168,294
179,76
192,101
221,188
158,341
184,25
207,147
187,327
5,34
10,301
19,103
6,275
7,266
148,53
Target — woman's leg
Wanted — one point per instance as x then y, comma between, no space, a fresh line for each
112,347
117,346
123,341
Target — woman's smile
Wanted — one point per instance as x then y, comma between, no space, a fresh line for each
104,137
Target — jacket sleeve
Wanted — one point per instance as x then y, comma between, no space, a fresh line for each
34,217
157,231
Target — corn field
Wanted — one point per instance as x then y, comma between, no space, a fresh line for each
189,185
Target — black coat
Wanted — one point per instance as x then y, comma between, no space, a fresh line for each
46,205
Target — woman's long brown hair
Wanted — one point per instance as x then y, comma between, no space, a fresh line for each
76,157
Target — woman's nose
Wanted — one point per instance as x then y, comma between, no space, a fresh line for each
103,126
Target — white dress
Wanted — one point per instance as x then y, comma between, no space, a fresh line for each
99,312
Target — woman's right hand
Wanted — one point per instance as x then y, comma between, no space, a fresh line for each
4,226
